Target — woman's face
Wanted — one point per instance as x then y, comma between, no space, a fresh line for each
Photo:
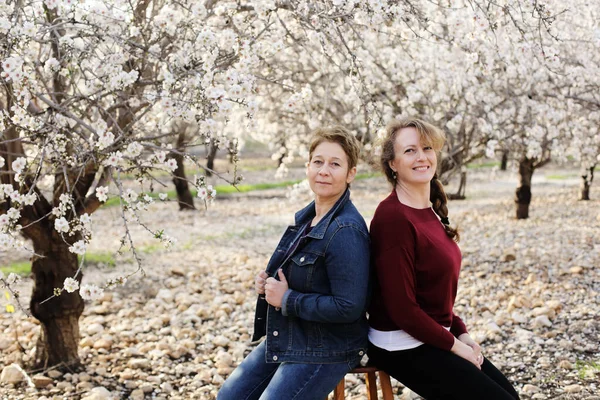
414,162
327,171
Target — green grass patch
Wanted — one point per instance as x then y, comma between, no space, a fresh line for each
560,177
588,369
99,258
22,268
483,164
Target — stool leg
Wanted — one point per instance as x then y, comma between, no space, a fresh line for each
371,386
386,386
338,392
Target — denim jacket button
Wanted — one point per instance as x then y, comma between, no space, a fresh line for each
360,353
302,259
274,358
277,308
275,333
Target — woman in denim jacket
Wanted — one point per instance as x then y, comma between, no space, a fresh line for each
313,294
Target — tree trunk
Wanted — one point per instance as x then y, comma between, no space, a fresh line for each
587,183
59,317
504,161
210,157
523,193
184,196
460,193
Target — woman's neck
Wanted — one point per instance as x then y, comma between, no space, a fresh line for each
322,207
415,196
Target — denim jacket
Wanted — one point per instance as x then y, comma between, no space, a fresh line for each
322,318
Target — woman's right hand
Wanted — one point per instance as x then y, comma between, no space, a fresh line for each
259,282
462,350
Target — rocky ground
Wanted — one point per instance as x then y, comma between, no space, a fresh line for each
529,293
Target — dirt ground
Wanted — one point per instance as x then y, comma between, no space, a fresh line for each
529,290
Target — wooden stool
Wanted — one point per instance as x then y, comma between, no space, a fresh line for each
384,379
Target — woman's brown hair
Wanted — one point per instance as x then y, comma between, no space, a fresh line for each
429,135
339,135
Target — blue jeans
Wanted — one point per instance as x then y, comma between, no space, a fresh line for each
254,379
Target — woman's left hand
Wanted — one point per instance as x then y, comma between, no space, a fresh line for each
275,289
466,339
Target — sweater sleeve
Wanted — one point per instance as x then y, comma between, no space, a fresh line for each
395,267
458,326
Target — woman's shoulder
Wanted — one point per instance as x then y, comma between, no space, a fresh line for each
350,216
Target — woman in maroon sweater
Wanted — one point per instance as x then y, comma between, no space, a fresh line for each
414,334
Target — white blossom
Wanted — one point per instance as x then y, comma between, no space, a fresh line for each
78,247
102,193
90,292
61,225
70,285
19,164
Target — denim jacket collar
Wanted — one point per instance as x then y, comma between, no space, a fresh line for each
308,213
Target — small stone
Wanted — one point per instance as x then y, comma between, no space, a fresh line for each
573,388
137,394
94,329
5,343
65,386
576,270
86,342
509,257
518,317
103,344
12,374
542,321
147,388
544,311
529,388
565,364
41,381
178,271
138,363
165,294
97,393
221,341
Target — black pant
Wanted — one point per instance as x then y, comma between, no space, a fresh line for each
437,374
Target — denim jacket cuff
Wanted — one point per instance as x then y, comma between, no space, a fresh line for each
284,308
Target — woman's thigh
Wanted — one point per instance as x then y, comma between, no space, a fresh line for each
250,378
294,381
438,374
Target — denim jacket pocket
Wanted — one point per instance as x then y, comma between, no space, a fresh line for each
302,270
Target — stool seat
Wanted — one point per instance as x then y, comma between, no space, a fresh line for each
370,375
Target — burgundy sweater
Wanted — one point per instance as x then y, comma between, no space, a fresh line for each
417,267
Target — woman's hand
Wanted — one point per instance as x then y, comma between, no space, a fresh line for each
275,289
466,339
463,350
259,282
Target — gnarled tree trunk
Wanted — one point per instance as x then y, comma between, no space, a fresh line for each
504,160
462,186
523,193
184,196
210,157
586,182
59,317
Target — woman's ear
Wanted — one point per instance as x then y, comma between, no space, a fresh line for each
351,175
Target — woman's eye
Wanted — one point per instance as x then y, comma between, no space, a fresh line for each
408,150
318,162
336,164
428,148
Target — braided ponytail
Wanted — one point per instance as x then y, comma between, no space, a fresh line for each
439,202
